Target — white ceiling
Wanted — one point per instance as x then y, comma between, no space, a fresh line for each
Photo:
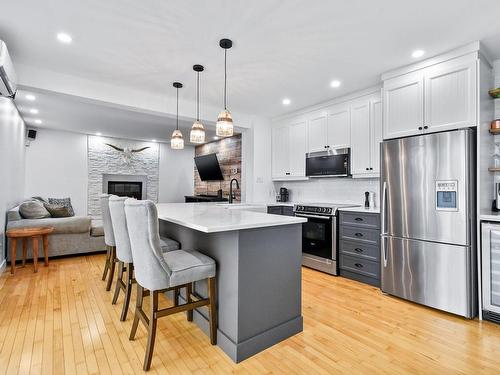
281,48
74,114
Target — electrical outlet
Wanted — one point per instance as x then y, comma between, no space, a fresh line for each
234,170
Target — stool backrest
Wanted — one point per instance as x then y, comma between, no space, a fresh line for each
119,222
109,237
151,270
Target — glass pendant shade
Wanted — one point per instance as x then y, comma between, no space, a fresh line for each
224,126
177,141
197,134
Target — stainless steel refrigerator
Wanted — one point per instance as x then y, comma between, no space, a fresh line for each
428,220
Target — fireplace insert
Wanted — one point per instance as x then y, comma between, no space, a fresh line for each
132,189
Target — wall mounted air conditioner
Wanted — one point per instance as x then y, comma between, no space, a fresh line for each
8,78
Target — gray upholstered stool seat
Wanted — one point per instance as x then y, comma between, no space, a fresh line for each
168,244
188,266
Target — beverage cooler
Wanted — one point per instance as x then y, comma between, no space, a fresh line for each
491,271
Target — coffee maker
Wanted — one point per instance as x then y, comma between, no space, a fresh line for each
283,195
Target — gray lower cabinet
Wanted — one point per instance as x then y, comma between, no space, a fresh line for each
280,210
359,246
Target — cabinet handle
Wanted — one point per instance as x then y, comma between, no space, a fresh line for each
287,173
358,250
358,234
371,169
426,127
359,265
359,219
419,128
367,168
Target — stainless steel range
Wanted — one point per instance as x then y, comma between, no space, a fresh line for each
319,235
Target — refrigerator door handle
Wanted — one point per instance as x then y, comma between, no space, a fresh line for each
384,208
384,250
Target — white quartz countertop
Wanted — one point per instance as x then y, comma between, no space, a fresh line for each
490,216
371,210
210,217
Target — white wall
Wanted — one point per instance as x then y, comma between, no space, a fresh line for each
176,174
331,190
12,153
56,167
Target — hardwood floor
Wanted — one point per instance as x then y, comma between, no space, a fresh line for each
61,320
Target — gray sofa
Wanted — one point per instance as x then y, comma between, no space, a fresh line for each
72,235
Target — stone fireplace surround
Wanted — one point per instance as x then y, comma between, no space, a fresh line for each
105,164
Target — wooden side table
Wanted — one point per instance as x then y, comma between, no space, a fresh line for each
35,233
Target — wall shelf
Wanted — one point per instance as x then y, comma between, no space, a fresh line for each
494,169
495,93
495,131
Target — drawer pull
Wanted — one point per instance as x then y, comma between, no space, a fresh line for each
359,219
358,250
358,234
359,265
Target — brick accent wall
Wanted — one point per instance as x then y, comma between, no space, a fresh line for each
228,152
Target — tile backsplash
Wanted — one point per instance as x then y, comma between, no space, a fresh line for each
334,190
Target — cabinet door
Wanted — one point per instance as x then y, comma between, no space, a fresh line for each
339,127
280,146
375,135
403,105
297,149
317,131
360,138
450,95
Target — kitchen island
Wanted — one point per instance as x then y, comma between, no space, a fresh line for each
258,260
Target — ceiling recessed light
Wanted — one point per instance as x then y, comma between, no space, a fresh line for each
335,83
30,97
34,111
286,101
64,38
98,134
417,53
38,121
215,138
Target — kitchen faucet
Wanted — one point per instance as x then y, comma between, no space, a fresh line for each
231,197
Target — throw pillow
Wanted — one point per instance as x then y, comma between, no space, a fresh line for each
40,199
57,210
33,210
66,202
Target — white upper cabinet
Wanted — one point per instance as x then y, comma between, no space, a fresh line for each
360,138
450,95
441,95
403,105
317,131
376,135
289,147
298,149
280,147
339,127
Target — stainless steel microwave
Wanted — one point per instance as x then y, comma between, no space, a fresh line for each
331,163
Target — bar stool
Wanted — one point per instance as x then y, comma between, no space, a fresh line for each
109,240
158,272
123,252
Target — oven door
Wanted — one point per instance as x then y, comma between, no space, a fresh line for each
318,236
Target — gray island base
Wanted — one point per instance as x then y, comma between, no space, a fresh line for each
258,284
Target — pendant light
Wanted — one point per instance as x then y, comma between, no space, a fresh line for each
197,134
177,142
224,126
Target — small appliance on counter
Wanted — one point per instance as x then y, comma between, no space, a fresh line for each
369,199
495,207
283,195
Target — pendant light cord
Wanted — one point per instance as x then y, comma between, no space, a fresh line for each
198,96
225,77
177,114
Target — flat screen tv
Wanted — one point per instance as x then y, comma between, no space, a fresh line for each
208,167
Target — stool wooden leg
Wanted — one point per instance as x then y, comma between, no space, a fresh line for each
138,309
212,310
151,330
35,252
25,250
106,265
13,254
112,263
119,280
128,291
176,297
189,291
45,238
